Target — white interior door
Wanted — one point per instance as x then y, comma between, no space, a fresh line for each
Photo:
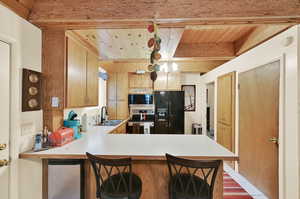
4,119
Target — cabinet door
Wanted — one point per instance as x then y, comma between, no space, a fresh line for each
76,75
122,86
112,109
161,81
131,80
174,81
146,80
122,110
92,80
112,87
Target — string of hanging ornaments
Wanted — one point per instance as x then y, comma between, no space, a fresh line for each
154,43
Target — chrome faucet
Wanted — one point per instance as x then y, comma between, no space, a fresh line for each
103,118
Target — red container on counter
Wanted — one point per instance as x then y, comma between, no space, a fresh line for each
62,136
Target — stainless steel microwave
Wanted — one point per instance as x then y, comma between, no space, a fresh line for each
140,99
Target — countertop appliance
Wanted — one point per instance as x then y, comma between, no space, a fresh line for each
169,112
140,99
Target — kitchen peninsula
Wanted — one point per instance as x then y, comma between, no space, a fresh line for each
147,152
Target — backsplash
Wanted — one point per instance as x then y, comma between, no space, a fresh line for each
92,113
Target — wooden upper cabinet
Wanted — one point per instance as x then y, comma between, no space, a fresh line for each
168,81
117,95
122,86
174,81
112,87
76,75
82,76
140,80
161,83
92,80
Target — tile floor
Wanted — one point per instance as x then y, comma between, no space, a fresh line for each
253,191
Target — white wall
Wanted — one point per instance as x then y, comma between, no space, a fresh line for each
271,50
25,41
193,116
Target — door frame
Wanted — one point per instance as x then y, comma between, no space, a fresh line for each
281,120
14,107
214,106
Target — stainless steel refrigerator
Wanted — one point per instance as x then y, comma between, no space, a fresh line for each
169,112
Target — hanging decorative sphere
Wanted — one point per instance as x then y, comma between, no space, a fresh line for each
153,76
151,28
151,67
151,42
157,55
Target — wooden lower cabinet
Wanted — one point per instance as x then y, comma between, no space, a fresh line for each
120,130
155,177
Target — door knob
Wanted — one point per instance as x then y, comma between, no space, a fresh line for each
3,163
274,140
3,146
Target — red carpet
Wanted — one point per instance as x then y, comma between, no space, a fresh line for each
232,190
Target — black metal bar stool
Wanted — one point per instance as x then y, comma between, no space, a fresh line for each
191,179
114,178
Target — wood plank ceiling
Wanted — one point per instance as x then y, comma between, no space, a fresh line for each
194,42
194,30
116,44
136,13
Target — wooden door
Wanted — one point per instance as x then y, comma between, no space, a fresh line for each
4,118
226,111
76,75
92,80
258,123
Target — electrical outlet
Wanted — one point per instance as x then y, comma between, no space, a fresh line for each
55,102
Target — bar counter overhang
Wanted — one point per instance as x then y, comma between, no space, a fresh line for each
147,152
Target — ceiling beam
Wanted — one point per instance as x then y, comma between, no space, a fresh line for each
136,13
16,7
258,36
27,3
216,51
184,66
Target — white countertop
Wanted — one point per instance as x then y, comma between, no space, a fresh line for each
138,146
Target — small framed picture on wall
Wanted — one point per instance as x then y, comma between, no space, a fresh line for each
189,97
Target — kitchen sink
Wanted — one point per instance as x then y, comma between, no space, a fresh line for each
110,123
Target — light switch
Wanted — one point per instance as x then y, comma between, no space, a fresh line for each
55,102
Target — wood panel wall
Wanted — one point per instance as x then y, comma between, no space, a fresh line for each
54,73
